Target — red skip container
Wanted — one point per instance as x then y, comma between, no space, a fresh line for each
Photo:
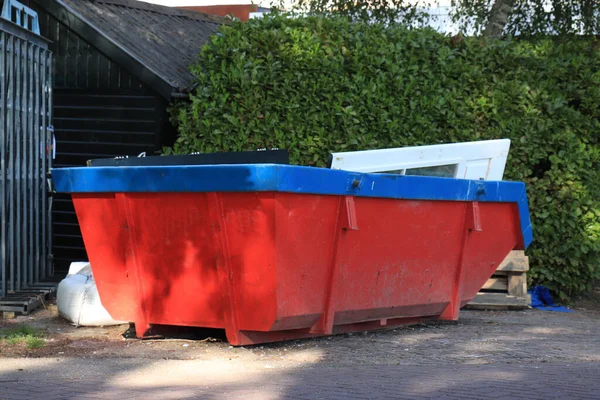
276,252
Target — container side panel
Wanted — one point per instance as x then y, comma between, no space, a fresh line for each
250,234
175,258
401,262
106,236
486,249
305,239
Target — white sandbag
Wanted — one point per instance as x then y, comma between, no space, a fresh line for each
78,301
76,267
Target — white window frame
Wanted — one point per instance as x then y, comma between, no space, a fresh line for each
475,160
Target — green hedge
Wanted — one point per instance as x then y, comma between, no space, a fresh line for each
316,85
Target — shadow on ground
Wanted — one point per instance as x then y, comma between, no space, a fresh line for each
530,354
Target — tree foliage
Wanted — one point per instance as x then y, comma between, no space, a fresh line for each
529,17
319,85
491,18
408,12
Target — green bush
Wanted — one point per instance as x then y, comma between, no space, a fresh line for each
315,85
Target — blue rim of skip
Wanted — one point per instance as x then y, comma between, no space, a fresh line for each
289,179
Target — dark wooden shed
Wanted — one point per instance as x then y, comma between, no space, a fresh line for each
118,64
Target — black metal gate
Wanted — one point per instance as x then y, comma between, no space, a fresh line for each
26,147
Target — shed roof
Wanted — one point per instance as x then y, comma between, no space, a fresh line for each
155,43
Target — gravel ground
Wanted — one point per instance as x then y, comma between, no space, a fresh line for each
479,337
486,355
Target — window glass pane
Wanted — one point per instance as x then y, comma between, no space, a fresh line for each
445,171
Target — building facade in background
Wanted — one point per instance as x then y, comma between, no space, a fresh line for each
242,9
246,9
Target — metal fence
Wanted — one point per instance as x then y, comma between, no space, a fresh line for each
26,146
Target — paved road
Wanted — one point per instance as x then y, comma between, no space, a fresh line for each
486,355
51,379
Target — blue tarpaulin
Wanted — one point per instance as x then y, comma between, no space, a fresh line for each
542,300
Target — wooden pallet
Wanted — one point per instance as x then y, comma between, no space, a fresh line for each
507,288
27,300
